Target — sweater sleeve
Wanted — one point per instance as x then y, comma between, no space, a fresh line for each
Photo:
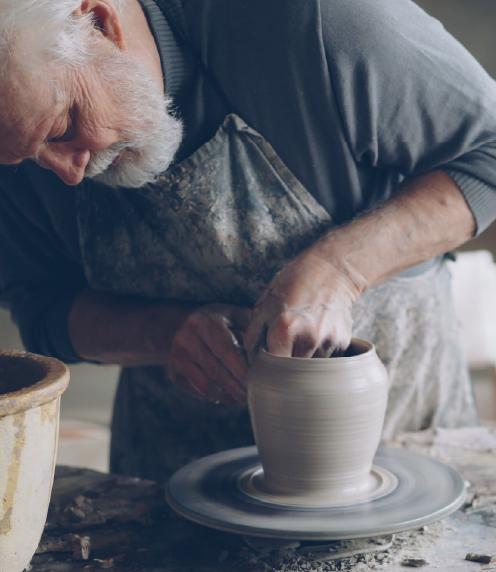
411,98
39,274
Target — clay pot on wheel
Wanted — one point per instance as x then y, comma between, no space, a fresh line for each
317,424
30,390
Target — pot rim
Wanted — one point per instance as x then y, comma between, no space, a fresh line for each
320,362
54,381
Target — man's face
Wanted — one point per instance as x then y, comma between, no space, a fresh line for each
108,120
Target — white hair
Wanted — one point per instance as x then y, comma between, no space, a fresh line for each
154,132
34,33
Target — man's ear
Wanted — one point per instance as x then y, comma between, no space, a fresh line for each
106,19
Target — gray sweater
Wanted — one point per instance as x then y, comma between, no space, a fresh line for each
353,95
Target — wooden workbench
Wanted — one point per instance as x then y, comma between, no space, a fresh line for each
100,521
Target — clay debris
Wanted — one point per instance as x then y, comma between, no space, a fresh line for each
414,562
480,558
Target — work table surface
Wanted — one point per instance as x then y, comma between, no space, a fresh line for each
108,522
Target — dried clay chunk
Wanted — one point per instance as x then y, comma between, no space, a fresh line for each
480,558
414,562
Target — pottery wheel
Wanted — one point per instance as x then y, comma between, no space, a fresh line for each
210,491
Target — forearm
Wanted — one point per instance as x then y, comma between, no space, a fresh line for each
428,217
122,330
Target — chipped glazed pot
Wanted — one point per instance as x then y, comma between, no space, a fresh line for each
317,424
30,390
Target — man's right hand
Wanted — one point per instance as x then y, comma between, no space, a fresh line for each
201,346
207,357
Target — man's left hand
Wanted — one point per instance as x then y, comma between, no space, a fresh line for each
306,309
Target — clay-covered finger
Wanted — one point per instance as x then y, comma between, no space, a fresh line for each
335,345
220,376
222,343
326,350
305,345
280,338
255,336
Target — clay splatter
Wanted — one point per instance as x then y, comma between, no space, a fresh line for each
13,473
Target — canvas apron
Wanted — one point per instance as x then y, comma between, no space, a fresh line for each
216,228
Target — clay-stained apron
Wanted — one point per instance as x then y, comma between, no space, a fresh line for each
215,229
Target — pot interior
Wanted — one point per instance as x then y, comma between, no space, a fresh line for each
18,372
356,348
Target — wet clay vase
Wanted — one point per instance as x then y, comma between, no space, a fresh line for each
317,424
30,390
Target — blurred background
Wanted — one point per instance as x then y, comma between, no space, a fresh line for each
472,23
86,406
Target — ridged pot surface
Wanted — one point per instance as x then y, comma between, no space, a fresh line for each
30,390
318,421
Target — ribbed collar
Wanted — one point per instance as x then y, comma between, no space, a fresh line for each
177,61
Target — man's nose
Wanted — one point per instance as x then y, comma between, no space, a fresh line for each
68,164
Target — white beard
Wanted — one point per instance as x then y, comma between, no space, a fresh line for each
151,144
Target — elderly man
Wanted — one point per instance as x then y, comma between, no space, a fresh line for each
187,181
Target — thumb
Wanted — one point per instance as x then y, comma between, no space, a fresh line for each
255,337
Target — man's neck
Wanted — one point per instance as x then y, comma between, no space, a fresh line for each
140,40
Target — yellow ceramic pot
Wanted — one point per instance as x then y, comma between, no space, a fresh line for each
30,390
